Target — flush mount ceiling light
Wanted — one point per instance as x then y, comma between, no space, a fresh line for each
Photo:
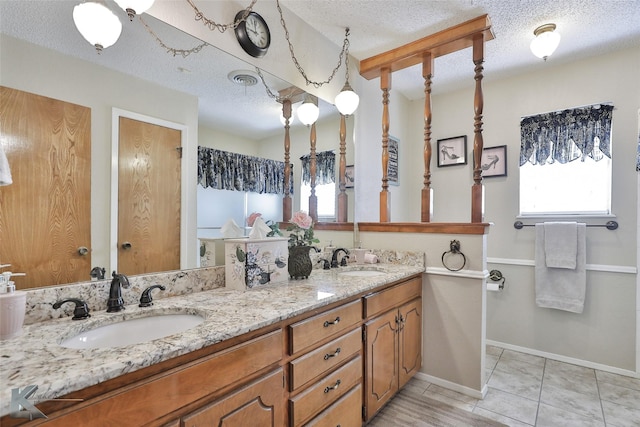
546,41
308,112
97,24
134,7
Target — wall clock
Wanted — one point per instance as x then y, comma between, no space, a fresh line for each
253,34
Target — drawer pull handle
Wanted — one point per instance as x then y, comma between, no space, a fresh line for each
328,323
329,355
333,387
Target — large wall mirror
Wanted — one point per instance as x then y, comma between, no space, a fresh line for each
205,92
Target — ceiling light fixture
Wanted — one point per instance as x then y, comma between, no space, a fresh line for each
308,112
546,41
135,7
97,24
347,100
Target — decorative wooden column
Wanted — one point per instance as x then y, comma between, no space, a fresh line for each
385,196
427,73
313,199
287,207
477,190
343,200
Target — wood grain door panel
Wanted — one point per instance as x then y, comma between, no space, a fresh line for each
45,215
149,192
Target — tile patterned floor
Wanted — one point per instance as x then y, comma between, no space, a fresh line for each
526,390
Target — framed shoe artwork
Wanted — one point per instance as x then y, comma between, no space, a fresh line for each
494,161
452,151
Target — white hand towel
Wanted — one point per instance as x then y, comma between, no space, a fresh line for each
5,172
561,288
561,244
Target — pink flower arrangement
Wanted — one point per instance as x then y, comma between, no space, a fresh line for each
301,229
252,218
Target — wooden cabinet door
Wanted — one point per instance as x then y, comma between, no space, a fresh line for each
381,352
260,403
410,340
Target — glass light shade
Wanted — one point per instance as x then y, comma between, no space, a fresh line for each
135,7
347,100
546,41
97,24
308,112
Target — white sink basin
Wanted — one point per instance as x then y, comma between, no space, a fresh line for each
133,331
362,273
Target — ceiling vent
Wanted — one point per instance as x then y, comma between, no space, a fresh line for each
243,78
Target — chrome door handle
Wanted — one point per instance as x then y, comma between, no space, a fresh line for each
126,245
83,250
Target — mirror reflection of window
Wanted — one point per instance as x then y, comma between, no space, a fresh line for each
326,194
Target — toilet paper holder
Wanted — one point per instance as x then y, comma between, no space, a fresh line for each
496,276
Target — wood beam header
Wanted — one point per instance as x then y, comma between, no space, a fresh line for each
441,43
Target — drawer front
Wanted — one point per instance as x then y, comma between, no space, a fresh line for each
382,301
326,391
346,412
259,404
314,329
315,363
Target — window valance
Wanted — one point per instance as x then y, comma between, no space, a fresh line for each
325,168
224,170
564,136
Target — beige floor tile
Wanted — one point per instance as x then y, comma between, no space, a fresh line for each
550,416
620,380
623,396
568,379
520,384
494,351
509,405
523,357
572,401
500,418
620,416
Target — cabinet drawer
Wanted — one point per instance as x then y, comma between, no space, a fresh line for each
326,391
315,363
346,412
314,329
391,298
259,403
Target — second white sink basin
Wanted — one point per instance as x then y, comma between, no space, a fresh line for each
362,273
133,331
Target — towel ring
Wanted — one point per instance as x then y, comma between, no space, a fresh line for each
454,248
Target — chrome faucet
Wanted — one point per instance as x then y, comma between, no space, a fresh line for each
334,257
116,303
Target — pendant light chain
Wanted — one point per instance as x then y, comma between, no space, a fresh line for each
345,48
278,98
212,25
182,52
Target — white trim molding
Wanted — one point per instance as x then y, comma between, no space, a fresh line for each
454,386
468,274
590,267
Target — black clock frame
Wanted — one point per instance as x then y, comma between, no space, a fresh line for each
244,40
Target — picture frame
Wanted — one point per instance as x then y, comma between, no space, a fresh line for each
392,166
349,176
452,151
494,161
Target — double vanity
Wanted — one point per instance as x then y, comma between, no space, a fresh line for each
328,350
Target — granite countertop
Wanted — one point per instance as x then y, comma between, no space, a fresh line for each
36,358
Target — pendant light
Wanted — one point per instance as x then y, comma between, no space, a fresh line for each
134,7
347,100
308,112
546,41
97,24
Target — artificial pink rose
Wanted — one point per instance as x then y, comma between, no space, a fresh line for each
302,220
252,218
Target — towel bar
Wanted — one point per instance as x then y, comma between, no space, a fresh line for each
611,225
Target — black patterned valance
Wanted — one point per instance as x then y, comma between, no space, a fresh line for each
325,168
224,170
564,136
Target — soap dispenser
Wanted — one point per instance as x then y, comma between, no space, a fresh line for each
13,305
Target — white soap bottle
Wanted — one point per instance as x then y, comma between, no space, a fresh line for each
13,305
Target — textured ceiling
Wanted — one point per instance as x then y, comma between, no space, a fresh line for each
588,28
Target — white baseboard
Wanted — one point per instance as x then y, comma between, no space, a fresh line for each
453,386
566,359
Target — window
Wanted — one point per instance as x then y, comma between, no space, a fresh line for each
565,162
326,194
